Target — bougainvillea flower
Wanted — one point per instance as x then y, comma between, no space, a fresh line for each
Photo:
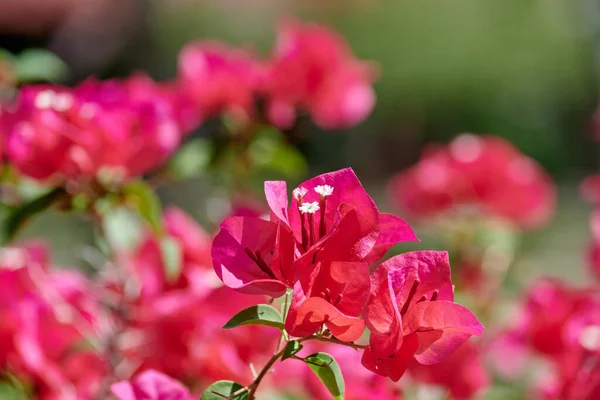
218,79
482,172
129,125
312,68
253,256
333,294
45,314
463,373
411,314
151,385
330,218
548,306
124,128
37,134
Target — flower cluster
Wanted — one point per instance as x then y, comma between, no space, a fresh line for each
46,316
99,130
310,69
323,246
561,325
102,133
479,193
484,173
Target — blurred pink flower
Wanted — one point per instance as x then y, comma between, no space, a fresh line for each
411,314
484,172
113,129
313,69
45,315
219,79
175,326
462,373
151,385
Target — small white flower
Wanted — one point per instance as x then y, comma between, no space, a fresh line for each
324,190
310,208
590,337
44,99
298,193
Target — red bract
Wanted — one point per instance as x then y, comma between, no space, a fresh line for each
411,314
313,69
99,130
331,218
218,79
333,294
462,373
151,385
484,172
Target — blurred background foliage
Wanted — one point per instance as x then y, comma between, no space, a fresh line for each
526,70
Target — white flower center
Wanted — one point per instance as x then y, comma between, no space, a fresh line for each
299,193
310,208
590,337
324,190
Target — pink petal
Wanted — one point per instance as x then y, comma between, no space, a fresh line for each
392,230
151,385
395,365
441,326
347,190
277,198
306,318
233,265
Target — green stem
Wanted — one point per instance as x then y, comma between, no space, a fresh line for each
254,385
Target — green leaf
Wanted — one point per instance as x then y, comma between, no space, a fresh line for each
122,226
261,314
17,218
140,196
328,371
291,349
191,159
172,256
40,65
224,390
270,152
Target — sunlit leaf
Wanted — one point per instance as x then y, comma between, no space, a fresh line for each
261,314
225,390
34,65
291,349
191,159
140,196
19,216
328,371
